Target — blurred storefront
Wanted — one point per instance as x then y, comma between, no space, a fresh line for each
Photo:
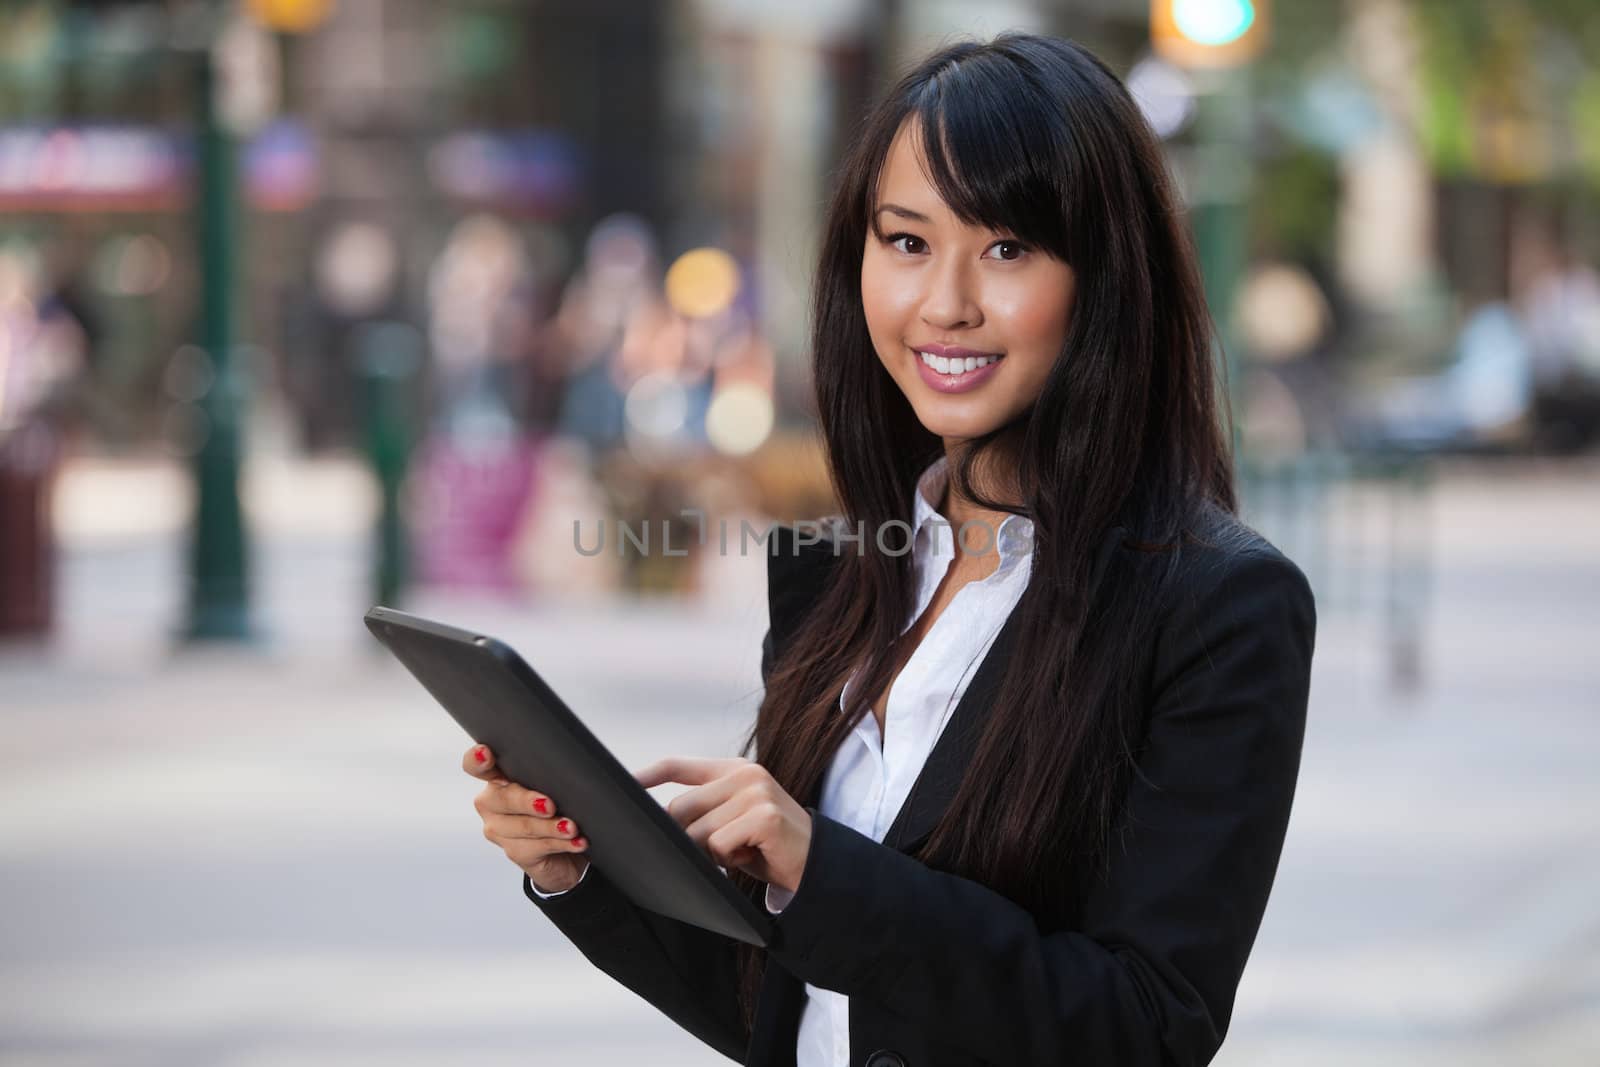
505,189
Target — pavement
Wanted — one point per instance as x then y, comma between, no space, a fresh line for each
269,855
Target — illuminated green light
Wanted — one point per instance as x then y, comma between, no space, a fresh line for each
1213,22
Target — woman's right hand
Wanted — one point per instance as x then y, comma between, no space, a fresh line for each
526,825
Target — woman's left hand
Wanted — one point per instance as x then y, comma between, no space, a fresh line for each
739,814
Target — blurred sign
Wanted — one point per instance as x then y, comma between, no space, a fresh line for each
89,167
1209,33
105,167
533,171
281,167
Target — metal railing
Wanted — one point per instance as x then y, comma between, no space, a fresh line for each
1359,524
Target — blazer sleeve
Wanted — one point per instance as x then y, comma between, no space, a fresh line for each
688,973
1150,976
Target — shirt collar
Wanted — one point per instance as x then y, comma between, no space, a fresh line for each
1015,536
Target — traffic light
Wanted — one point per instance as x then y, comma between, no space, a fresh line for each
1209,33
291,16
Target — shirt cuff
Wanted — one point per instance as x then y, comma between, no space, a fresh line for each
546,896
778,898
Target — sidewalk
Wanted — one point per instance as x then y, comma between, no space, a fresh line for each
251,857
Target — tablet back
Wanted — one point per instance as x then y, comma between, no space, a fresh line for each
540,744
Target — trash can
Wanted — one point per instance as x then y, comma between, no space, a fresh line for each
28,457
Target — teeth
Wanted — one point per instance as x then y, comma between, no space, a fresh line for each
956,366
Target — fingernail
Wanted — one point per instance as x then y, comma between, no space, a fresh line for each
561,827
580,842
482,756
542,806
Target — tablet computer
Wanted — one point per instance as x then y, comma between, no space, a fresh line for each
540,744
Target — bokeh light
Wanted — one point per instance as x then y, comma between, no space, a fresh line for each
291,16
656,407
702,282
1213,22
1164,92
739,419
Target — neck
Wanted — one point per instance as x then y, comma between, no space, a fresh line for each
996,481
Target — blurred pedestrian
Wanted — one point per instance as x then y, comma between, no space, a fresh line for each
1561,309
612,323
44,359
477,469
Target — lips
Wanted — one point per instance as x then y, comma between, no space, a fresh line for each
939,371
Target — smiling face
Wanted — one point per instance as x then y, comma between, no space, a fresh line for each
931,282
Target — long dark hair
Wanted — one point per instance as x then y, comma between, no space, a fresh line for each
1036,137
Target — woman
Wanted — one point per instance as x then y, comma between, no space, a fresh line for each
1015,798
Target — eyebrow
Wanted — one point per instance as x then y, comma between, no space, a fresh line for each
903,212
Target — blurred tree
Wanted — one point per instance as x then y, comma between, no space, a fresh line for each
1290,217
1295,180
1507,85
1302,30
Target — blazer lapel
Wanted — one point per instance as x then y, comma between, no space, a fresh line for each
936,785
782,995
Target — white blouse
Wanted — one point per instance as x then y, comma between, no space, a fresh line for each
871,774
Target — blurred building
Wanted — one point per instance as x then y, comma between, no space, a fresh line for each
1404,161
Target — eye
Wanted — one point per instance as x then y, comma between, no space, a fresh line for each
1014,243
895,239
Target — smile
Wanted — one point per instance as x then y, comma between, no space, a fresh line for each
956,366
956,375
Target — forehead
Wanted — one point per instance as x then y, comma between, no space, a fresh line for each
904,179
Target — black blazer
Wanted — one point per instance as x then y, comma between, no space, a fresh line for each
944,971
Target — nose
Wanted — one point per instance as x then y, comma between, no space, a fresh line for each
950,301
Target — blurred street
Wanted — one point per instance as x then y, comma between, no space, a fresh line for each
307,305
270,856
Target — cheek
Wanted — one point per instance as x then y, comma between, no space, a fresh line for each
882,311
886,302
1035,319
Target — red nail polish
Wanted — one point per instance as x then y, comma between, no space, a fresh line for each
580,842
480,754
561,827
541,805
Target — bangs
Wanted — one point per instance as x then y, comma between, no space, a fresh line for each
993,152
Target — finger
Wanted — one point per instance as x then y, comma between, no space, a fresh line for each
526,854
522,801
503,827
662,770
739,776
736,843
701,829
685,770
692,804
479,762
512,799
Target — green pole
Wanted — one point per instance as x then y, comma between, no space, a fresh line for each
1221,212
390,355
219,606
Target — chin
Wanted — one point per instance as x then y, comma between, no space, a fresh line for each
943,424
